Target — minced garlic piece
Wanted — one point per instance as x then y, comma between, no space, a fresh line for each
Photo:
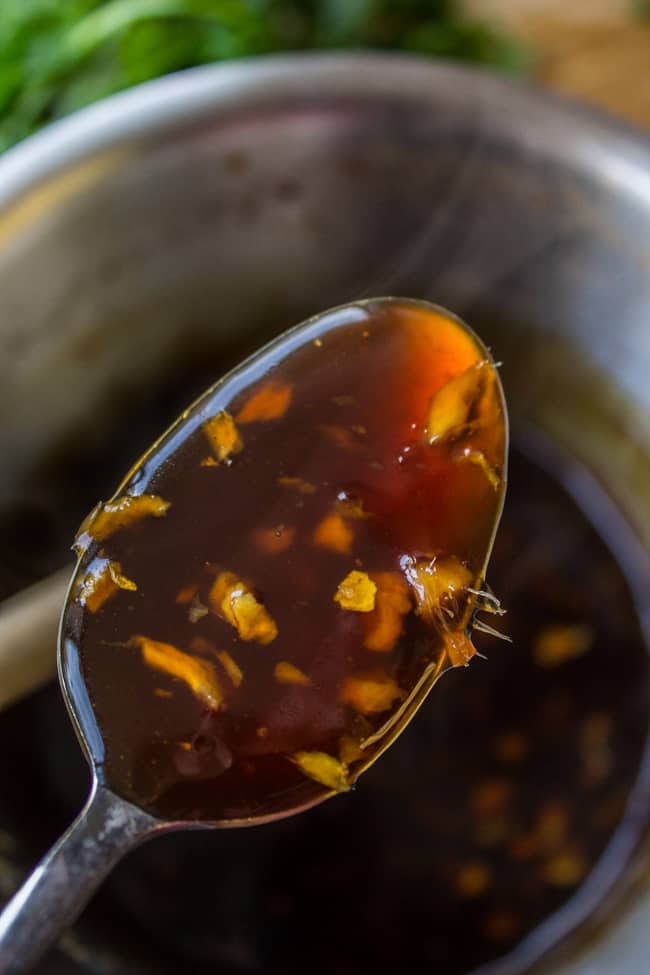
323,768
106,519
199,675
272,541
287,673
231,667
197,610
298,484
333,533
103,580
370,695
233,601
223,436
451,408
268,403
437,584
560,642
392,603
459,647
356,592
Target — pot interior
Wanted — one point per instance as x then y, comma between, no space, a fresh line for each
137,275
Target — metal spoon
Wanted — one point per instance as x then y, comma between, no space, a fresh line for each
110,824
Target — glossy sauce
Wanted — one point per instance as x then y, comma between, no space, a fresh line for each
276,587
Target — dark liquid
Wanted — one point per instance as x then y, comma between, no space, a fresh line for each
340,481
506,767
482,821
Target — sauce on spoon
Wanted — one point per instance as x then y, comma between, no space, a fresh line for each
276,586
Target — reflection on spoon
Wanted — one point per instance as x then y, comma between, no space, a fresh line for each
275,587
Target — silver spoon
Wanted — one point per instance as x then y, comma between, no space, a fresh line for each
461,421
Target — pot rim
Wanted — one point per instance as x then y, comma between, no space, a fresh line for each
553,125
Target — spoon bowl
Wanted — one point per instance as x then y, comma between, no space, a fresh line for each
274,588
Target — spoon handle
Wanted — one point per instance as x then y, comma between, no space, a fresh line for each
61,885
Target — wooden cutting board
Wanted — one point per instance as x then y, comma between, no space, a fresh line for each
598,50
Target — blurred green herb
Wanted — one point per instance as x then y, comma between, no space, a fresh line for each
58,55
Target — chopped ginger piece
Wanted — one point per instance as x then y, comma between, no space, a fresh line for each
552,826
231,667
101,582
392,603
298,484
323,768
510,747
115,571
233,601
351,507
286,673
186,594
500,926
333,533
459,647
223,436
372,694
478,458
565,869
199,675
269,403
272,541
451,408
472,879
162,692
350,750
356,592
557,644
491,797
106,519
438,585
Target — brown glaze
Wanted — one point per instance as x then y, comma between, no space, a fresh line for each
277,585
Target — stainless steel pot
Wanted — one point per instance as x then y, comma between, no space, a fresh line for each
174,226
